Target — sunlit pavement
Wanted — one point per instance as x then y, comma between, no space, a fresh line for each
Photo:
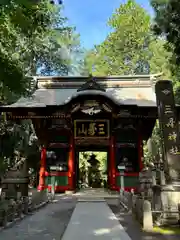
91,193
94,220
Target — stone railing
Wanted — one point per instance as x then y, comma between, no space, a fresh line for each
164,198
13,210
155,204
139,207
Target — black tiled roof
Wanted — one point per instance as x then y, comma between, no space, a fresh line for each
58,93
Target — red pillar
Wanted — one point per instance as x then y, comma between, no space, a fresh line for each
41,185
71,159
112,165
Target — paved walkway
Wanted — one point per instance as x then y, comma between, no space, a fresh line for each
90,218
92,221
49,223
98,193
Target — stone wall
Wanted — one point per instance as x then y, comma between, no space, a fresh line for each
12,210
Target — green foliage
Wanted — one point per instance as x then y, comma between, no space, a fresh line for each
166,24
101,157
33,35
131,37
93,174
131,47
154,147
18,141
160,58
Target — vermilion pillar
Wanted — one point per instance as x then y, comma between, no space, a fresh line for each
42,170
112,164
71,166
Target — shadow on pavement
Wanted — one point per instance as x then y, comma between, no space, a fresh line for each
48,223
133,228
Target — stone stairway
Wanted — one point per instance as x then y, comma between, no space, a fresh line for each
95,195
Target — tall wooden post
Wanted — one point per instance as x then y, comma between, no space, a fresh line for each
41,185
112,165
169,129
71,169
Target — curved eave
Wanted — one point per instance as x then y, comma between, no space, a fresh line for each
92,93
44,98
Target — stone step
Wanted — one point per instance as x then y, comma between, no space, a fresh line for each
95,195
91,200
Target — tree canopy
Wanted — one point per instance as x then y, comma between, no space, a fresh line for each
166,24
131,47
34,37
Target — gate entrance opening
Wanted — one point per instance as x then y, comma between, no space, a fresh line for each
91,169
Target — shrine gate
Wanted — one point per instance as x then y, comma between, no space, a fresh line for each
73,114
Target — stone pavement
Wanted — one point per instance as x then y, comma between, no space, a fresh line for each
49,223
133,228
92,221
98,193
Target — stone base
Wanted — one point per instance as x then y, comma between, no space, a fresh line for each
170,195
175,187
170,198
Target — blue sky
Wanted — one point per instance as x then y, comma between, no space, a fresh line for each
90,17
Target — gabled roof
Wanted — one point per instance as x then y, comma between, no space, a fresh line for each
91,84
126,90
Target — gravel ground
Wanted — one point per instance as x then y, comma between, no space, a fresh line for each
133,228
49,223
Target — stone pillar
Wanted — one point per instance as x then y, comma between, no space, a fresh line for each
145,181
41,185
169,127
170,193
154,176
147,216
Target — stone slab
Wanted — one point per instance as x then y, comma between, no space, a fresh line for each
92,221
91,200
